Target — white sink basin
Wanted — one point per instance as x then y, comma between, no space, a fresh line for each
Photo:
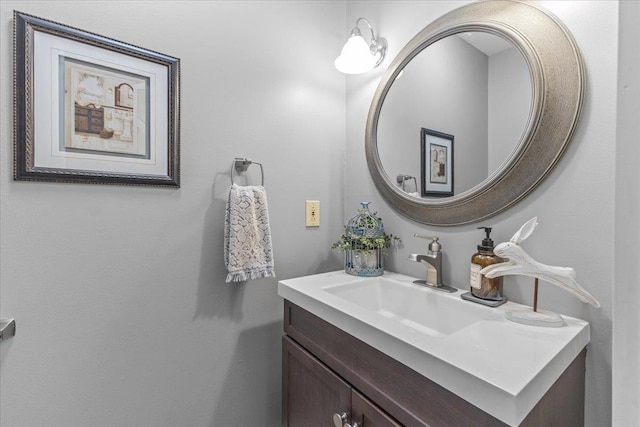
501,367
433,313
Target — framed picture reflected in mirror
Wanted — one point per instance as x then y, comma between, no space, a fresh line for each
436,163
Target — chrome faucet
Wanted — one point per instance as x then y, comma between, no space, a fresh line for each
433,259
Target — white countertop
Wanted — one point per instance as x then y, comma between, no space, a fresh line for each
502,367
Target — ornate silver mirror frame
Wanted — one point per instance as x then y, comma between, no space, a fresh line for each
557,80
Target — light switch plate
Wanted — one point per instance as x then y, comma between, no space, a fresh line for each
312,213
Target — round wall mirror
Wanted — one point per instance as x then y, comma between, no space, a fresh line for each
474,112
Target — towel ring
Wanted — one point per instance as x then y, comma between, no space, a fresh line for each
241,164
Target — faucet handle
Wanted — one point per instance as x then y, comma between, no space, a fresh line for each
434,245
422,236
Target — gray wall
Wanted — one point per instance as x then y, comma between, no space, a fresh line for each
123,315
574,205
626,325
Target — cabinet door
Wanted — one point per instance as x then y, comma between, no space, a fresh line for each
367,414
311,393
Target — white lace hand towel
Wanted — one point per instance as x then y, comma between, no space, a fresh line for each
248,253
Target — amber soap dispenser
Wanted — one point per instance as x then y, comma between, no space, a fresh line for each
483,289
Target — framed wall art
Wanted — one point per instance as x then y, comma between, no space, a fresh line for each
91,109
436,163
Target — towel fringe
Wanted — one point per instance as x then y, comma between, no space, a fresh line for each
244,275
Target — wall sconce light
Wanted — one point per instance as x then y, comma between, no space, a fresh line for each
357,55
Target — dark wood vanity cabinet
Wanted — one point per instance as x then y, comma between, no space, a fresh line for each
326,371
312,391
314,395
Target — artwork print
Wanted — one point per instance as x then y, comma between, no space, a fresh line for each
90,109
106,111
438,173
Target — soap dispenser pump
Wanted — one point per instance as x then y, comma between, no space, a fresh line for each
484,288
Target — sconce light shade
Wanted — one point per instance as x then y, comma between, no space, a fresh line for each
357,55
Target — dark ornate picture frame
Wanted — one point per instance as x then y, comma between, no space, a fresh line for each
71,123
436,163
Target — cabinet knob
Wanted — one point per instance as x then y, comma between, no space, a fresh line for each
340,419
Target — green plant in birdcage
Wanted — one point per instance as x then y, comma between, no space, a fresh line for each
364,242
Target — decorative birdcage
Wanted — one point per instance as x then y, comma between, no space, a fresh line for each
363,243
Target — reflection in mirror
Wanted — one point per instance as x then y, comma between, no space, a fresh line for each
404,182
474,86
